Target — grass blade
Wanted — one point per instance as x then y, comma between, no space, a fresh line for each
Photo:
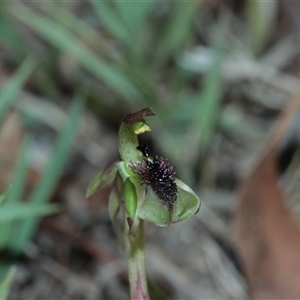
109,17
6,282
62,38
178,30
79,27
51,174
4,195
12,88
19,180
11,38
133,13
15,212
207,111
14,196
261,17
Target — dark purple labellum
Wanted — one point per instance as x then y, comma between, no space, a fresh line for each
160,176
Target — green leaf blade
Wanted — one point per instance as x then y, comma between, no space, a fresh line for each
6,282
65,40
48,180
16,212
133,13
178,29
13,87
111,20
15,196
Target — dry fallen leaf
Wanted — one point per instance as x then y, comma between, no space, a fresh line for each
267,237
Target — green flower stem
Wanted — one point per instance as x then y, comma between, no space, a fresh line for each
134,248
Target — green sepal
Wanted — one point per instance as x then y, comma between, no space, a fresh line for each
132,125
130,198
115,198
186,205
103,180
124,171
128,142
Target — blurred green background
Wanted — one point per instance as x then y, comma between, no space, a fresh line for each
216,73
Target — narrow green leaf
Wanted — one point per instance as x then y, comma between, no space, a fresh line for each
10,37
209,106
4,195
15,195
205,116
19,179
178,30
62,38
59,157
51,174
6,283
12,88
133,13
29,211
261,16
79,27
111,20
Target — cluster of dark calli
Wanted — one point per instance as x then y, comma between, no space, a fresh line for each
159,175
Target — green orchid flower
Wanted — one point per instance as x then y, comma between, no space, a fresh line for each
144,188
163,199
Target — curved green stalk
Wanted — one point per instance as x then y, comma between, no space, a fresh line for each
134,248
